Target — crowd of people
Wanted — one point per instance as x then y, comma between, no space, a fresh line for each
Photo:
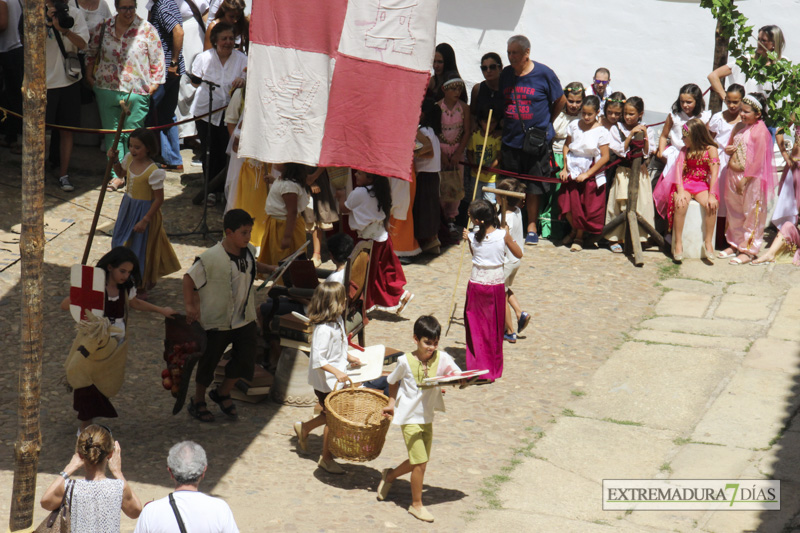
96,58
569,150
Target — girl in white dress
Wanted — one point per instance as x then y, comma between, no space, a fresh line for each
582,197
689,105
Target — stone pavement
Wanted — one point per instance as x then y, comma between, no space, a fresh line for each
584,305
705,388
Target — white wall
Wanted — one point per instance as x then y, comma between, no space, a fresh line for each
650,51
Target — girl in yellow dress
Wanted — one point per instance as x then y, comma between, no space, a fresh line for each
139,218
285,229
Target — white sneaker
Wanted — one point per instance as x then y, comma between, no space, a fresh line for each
64,183
197,163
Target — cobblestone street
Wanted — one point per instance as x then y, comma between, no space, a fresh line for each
585,306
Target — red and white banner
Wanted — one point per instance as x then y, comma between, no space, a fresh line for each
338,82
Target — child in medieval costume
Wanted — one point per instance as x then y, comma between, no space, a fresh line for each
95,365
139,222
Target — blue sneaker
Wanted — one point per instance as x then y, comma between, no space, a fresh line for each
522,323
532,239
510,337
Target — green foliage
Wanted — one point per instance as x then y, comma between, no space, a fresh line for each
784,76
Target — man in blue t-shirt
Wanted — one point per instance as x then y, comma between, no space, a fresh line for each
533,99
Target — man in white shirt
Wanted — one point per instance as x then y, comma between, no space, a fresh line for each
63,90
187,509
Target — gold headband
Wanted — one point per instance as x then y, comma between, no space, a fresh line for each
751,100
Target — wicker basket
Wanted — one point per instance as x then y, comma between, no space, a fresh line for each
356,425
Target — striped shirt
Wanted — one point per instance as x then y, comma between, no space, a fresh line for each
165,15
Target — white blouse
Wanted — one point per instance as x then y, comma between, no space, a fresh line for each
491,251
721,129
208,66
276,207
328,347
617,141
431,164
678,120
415,405
156,179
584,148
365,217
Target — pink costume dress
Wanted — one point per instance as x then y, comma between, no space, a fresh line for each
749,190
452,133
791,246
694,173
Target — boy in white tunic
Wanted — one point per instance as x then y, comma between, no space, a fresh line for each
412,407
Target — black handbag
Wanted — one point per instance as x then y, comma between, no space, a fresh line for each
534,139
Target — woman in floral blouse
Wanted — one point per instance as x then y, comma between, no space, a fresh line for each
124,56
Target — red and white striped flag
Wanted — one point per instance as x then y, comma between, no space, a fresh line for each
338,82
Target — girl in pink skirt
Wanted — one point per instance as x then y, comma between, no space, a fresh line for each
750,181
485,308
694,175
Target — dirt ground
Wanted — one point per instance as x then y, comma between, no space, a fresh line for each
582,306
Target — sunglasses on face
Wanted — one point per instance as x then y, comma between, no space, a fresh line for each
126,8
493,66
601,82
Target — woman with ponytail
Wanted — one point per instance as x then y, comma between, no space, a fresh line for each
96,500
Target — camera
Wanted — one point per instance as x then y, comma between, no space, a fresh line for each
62,14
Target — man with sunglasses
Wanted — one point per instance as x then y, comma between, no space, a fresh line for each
533,99
600,86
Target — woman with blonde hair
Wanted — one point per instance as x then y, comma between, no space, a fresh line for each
96,500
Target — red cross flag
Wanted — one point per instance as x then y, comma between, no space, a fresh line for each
338,82
87,291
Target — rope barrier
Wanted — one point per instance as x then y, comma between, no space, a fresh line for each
7,112
545,179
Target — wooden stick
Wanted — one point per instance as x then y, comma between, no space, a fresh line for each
630,208
512,194
461,257
109,165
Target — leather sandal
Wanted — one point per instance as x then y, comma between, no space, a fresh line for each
199,410
217,398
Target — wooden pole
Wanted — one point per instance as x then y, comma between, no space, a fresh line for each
109,165
31,245
461,256
632,242
720,58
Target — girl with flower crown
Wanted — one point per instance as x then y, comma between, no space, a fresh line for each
750,181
